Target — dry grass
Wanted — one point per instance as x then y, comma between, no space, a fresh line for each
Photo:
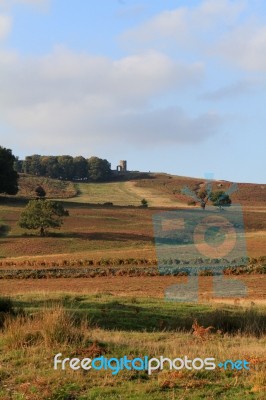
153,287
169,186
32,341
47,328
53,188
104,232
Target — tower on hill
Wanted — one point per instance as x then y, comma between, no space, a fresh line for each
122,167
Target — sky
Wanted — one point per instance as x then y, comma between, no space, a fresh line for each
175,86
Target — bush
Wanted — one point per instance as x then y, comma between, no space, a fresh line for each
4,229
144,203
6,305
6,309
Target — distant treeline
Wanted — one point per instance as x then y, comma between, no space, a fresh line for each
65,167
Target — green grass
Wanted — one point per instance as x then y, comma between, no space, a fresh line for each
148,314
77,326
114,192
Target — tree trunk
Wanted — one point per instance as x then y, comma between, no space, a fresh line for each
42,231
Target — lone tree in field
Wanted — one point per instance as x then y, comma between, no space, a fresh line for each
40,192
220,199
204,196
8,176
42,214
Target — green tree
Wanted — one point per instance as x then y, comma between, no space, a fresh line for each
99,169
203,196
51,166
66,167
18,165
80,167
8,176
220,199
42,214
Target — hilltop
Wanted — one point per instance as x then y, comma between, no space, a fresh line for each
107,220
161,190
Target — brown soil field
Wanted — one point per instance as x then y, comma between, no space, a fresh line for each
136,286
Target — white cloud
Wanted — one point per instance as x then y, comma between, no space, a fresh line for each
5,26
245,47
41,5
64,96
245,87
226,29
185,26
32,2
68,76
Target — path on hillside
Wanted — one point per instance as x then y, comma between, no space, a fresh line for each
122,193
154,197
99,193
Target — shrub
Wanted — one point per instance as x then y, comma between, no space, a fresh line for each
6,309
4,229
6,305
144,203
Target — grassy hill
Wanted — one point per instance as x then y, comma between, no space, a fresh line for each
93,288
98,230
161,190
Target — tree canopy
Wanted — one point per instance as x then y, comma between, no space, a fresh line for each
220,199
42,214
99,169
40,192
203,195
65,167
8,176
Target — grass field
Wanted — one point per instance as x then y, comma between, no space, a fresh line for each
92,326
118,308
105,232
114,192
139,287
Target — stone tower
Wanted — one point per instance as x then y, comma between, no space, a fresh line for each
123,166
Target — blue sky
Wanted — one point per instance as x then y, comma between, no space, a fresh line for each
172,86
